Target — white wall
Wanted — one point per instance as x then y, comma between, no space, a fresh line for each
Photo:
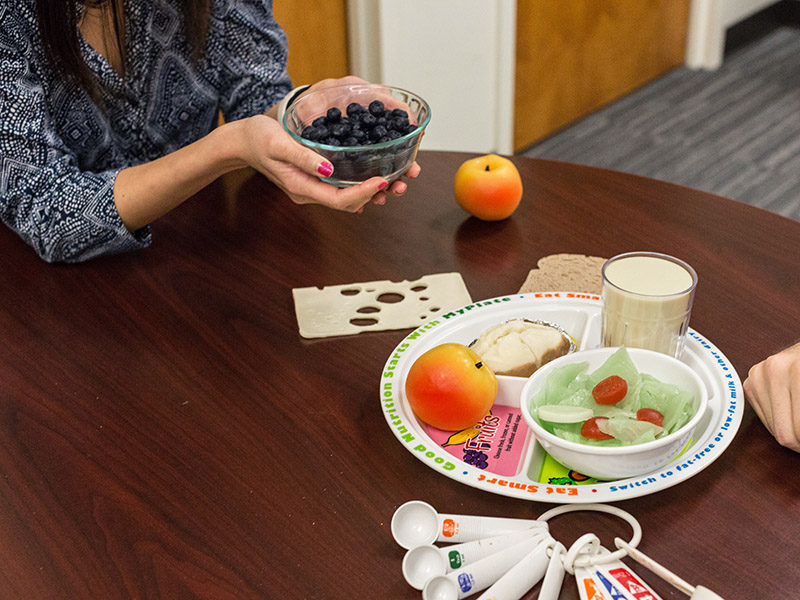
457,54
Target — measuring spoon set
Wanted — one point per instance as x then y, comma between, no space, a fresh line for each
505,558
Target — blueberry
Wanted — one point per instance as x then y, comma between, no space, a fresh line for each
398,123
331,141
409,129
322,132
377,132
394,134
359,134
384,138
350,141
382,121
319,122
399,112
333,115
339,130
354,108
314,133
376,108
368,121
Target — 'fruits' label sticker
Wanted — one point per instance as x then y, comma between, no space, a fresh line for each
495,444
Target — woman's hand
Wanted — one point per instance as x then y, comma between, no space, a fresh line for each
773,389
297,170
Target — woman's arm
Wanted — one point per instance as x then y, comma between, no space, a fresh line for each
145,192
70,206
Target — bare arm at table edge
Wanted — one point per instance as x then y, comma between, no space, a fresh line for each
773,389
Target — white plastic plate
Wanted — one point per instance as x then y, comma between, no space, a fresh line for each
579,314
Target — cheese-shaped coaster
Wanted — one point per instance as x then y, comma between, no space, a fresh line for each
376,305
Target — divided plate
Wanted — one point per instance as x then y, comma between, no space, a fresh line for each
502,456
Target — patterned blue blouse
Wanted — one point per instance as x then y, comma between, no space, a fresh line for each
60,154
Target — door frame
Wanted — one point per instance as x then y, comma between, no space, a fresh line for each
708,22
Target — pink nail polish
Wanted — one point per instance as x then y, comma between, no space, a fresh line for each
325,169
383,185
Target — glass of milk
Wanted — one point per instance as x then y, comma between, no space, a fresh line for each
647,301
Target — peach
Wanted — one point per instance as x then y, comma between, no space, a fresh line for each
488,187
450,388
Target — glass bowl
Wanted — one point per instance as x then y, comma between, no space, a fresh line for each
359,147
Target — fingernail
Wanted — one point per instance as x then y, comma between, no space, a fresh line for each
383,185
325,169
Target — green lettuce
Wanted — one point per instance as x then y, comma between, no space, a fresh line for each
571,385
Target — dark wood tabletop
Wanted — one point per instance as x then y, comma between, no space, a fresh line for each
165,432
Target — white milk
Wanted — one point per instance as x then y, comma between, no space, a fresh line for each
647,301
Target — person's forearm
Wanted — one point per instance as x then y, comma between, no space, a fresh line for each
148,191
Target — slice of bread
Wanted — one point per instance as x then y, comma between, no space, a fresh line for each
565,272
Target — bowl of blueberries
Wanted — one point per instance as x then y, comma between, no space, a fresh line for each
363,130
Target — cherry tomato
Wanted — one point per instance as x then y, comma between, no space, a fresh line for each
611,390
651,415
590,430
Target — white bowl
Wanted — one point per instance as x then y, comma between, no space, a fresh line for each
619,462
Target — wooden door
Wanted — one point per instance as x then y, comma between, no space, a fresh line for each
574,56
317,33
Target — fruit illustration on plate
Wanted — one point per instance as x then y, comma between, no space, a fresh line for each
450,388
459,438
488,187
571,478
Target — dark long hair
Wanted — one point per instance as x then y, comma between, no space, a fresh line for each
58,28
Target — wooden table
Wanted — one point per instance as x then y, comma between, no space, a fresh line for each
166,432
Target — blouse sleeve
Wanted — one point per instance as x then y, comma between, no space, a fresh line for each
252,51
64,213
